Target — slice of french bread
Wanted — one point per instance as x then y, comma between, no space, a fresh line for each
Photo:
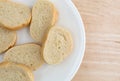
15,72
14,15
27,54
57,46
44,16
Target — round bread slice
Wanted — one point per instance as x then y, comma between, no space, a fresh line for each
44,16
13,15
15,72
58,45
27,54
7,39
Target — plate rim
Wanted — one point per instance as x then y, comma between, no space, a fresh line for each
73,7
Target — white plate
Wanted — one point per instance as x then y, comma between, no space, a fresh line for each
70,19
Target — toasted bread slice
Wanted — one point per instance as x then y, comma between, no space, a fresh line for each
7,39
58,45
44,16
27,54
15,72
13,15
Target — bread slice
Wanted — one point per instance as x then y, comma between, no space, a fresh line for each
44,16
15,72
27,54
13,15
7,39
58,45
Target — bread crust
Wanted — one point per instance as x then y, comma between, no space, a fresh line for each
19,26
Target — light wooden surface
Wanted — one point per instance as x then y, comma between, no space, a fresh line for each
102,56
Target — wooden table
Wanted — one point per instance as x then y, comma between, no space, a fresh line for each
102,56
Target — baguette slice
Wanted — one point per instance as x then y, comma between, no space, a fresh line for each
15,72
13,15
44,16
58,45
27,54
7,39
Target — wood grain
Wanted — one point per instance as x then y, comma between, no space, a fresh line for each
102,56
